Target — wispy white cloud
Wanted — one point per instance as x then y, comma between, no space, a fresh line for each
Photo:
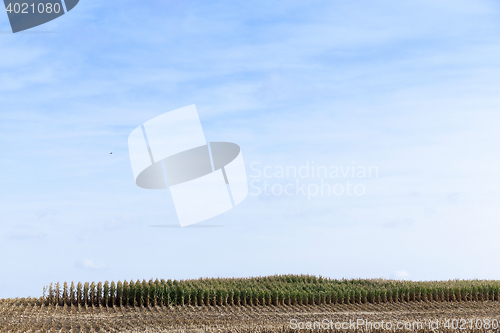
121,222
402,275
90,264
399,223
26,236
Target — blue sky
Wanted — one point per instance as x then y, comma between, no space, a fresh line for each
409,87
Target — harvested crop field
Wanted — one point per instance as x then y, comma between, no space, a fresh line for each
32,315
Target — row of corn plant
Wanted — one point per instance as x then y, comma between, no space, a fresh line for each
272,290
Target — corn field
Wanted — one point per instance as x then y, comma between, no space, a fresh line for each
33,316
273,290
